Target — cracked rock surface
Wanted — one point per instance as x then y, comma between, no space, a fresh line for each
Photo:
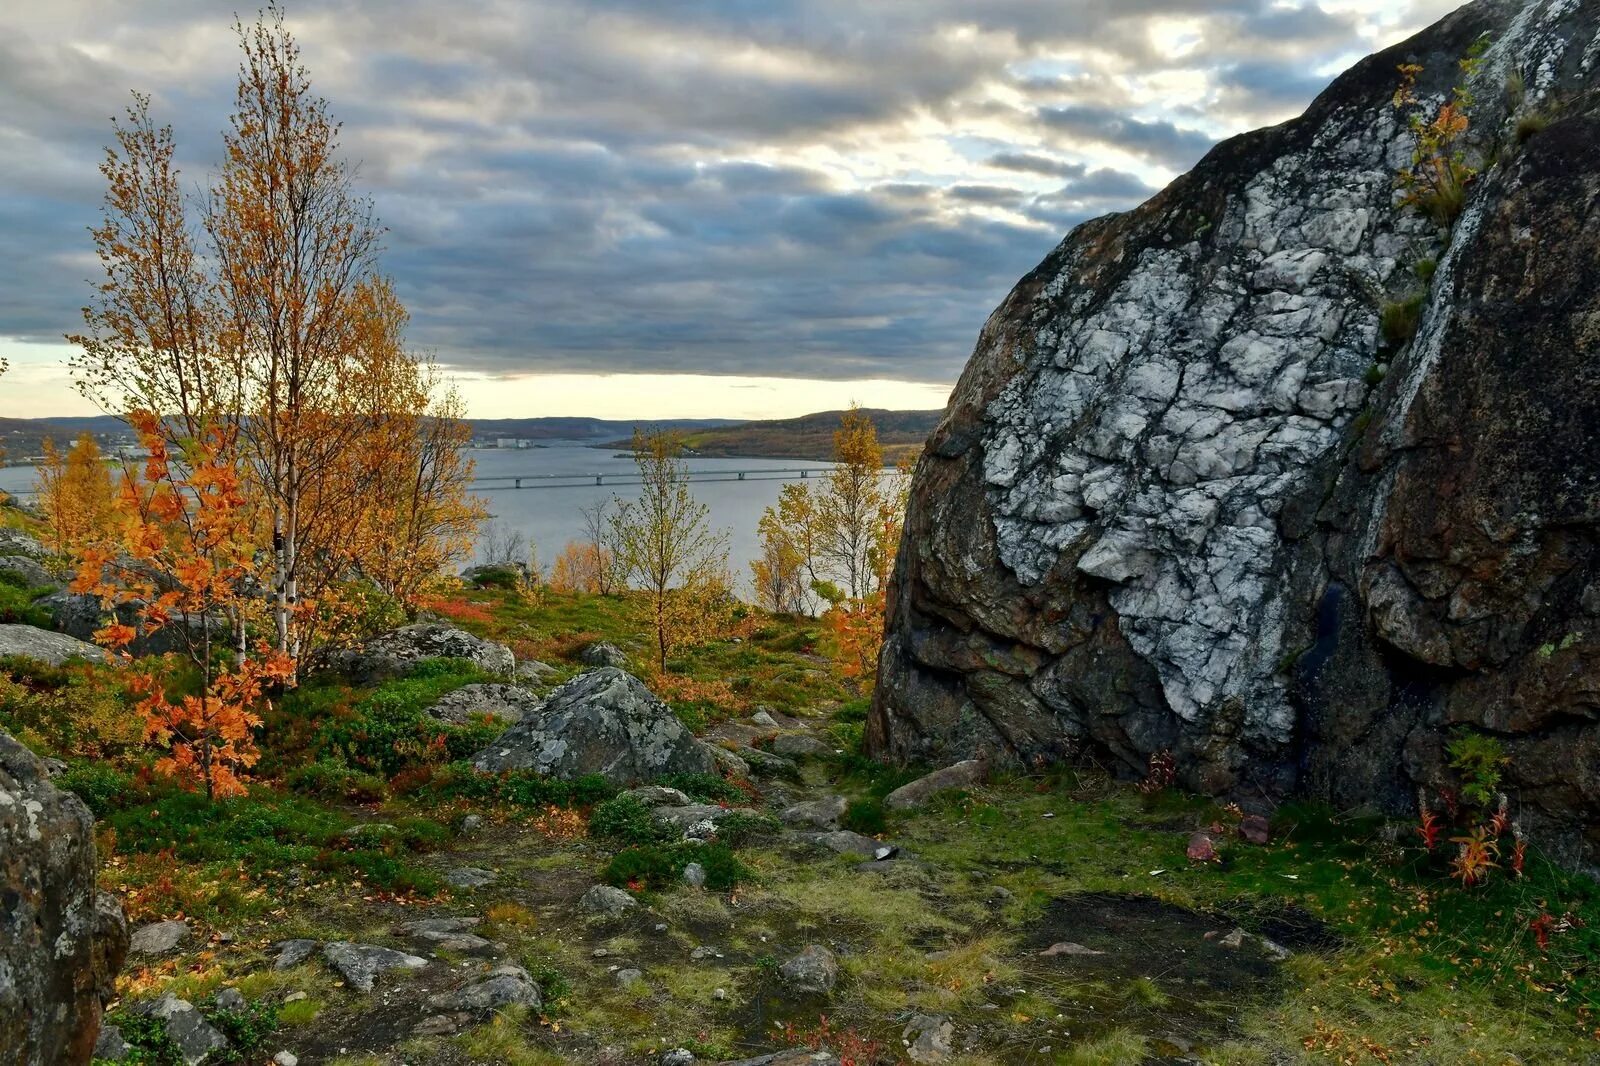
1189,496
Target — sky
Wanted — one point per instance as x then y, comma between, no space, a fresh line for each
673,208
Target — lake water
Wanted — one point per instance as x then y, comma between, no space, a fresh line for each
551,515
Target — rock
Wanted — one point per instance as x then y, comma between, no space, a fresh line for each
286,1058
694,875
1202,848
31,571
533,671
293,952
471,824
397,653
370,831
470,877
601,653
61,940
1165,512
1255,828
467,943
659,796
728,763
602,722
230,999
110,1045
819,813
504,986
766,764
812,972
844,842
963,774
764,719
927,1038
677,1057
507,703
435,926
79,615
604,899
624,978
15,542
362,964
1066,947
194,1037
684,818
1239,938
31,642
158,938
791,1057
441,1024
799,746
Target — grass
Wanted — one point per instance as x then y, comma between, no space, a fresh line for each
1398,320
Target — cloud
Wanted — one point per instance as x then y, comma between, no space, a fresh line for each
815,188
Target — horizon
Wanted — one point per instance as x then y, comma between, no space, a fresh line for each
705,213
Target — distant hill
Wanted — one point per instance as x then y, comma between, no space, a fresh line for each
577,428
23,438
807,437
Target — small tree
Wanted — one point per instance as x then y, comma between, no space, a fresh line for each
581,567
779,574
75,495
666,546
184,557
600,540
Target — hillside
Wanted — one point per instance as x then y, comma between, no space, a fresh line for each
807,437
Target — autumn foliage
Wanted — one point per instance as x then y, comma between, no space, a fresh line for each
75,495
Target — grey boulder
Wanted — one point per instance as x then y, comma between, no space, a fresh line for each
813,972
604,899
508,703
601,653
31,642
361,964
158,938
195,1038
397,653
963,774
603,722
31,571
504,986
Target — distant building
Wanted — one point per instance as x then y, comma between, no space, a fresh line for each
513,442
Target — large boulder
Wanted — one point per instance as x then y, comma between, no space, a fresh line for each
29,571
397,653
17,542
1198,491
31,642
61,940
602,722
80,615
508,703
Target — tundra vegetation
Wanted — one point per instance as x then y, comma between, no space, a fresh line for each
300,819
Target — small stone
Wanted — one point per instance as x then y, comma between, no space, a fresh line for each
661,927
624,978
928,1038
659,796
1255,828
887,851
764,719
599,953
799,746
1202,848
294,997
1066,947
439,1025
286,1058
719,994
694,875
470,877
293,953
230,999
158,938
472,823
604,899
601,653
677,1057
812,972
703,953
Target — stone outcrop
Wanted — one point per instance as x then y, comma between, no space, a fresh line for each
397,653
602,722
1199,491
508,703
61,940
41,645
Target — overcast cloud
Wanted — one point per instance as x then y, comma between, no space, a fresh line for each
816,188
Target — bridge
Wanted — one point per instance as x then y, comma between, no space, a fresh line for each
512,482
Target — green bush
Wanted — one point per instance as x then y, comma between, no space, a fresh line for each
737,830
516,788
660,866
723,868
103,788
865,816
389,731
705,788
328,779
626,820
497,577
1477,758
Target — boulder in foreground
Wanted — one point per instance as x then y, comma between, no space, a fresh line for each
603,722
61,940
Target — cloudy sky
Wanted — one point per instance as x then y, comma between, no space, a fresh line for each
674,207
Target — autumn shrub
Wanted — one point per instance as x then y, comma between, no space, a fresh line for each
626,820
69,711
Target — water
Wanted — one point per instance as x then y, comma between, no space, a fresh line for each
551,516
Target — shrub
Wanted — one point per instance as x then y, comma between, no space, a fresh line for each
865,816
1478,759
660,866
626,820
330,779
17,602
102,788
554,988
517,788
707,788
497,577
737,830
723,869
1400,318
74,710
389,731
